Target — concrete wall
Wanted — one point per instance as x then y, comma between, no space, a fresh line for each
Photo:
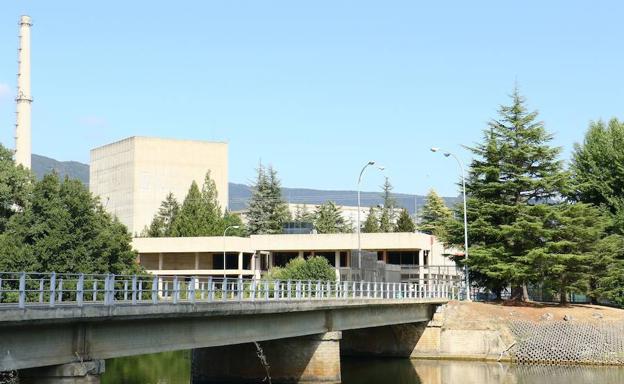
133,176
307,359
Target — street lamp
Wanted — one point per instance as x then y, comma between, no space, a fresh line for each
359,226
224,233
463,177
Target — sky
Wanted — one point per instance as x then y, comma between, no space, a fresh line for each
315,88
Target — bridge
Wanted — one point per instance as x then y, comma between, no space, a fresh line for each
59,326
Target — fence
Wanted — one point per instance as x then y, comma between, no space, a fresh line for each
26,289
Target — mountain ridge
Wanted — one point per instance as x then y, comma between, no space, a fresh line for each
239,193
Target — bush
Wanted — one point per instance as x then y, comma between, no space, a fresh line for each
314,268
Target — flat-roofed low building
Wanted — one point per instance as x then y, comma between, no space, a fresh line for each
133,176
417,254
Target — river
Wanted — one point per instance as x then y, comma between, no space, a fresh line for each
175,368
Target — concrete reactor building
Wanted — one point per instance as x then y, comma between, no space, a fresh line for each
133,176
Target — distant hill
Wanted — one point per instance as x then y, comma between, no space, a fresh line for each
240,193
42,165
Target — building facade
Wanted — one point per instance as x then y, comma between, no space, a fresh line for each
417,255
132,176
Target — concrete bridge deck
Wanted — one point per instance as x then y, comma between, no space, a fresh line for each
43,336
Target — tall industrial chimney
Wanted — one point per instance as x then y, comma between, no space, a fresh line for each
24,99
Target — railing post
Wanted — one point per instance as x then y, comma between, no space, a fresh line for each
175,289
276,290
60,291
210,289
266,290
80,290
253,290
239,288
155,281
125,290
224,289
192,289
52,288
41,288
298,290
22,290
134,288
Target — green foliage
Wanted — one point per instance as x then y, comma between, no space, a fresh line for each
514,177
607,269
63,228
598,174
328,219
267,210
162,222
371,224
200,214
405,222
16,184
303,215
232,220
313,268
569,233
434,215
388,216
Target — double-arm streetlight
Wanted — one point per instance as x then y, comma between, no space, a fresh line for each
224,234
359,225
463,177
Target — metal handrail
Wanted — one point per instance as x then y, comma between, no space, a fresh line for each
33,289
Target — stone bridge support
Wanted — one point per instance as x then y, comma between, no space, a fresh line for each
87,372
307,359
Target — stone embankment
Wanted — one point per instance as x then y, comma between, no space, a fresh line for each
578,334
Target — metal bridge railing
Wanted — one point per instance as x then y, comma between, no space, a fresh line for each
26,289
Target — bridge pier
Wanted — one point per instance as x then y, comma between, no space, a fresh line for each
87,372
389,341
307,359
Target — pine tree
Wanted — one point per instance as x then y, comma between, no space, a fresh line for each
388,215
405,223
371,224
515,170
434,215
303,215
328,219
162,222
191,220
267,210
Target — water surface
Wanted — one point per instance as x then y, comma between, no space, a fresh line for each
175,368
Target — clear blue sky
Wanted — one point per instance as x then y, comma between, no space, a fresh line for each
316,88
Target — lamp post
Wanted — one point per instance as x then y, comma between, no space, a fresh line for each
359,225
463,177
224,233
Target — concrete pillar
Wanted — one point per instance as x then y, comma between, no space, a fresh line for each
307,359
300,254
196,261
160,261
337,264
87,372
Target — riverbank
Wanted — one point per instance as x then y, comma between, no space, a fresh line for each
576,334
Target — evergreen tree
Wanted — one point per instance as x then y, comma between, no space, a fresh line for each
200,214
371,224
607,264
434,215
232,220
303,215
405,223
388,215
385,221
515,169
65,229
16,185
162,222
571,232
328,219
267,210
598,175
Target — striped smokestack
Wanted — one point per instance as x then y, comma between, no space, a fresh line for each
24,99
